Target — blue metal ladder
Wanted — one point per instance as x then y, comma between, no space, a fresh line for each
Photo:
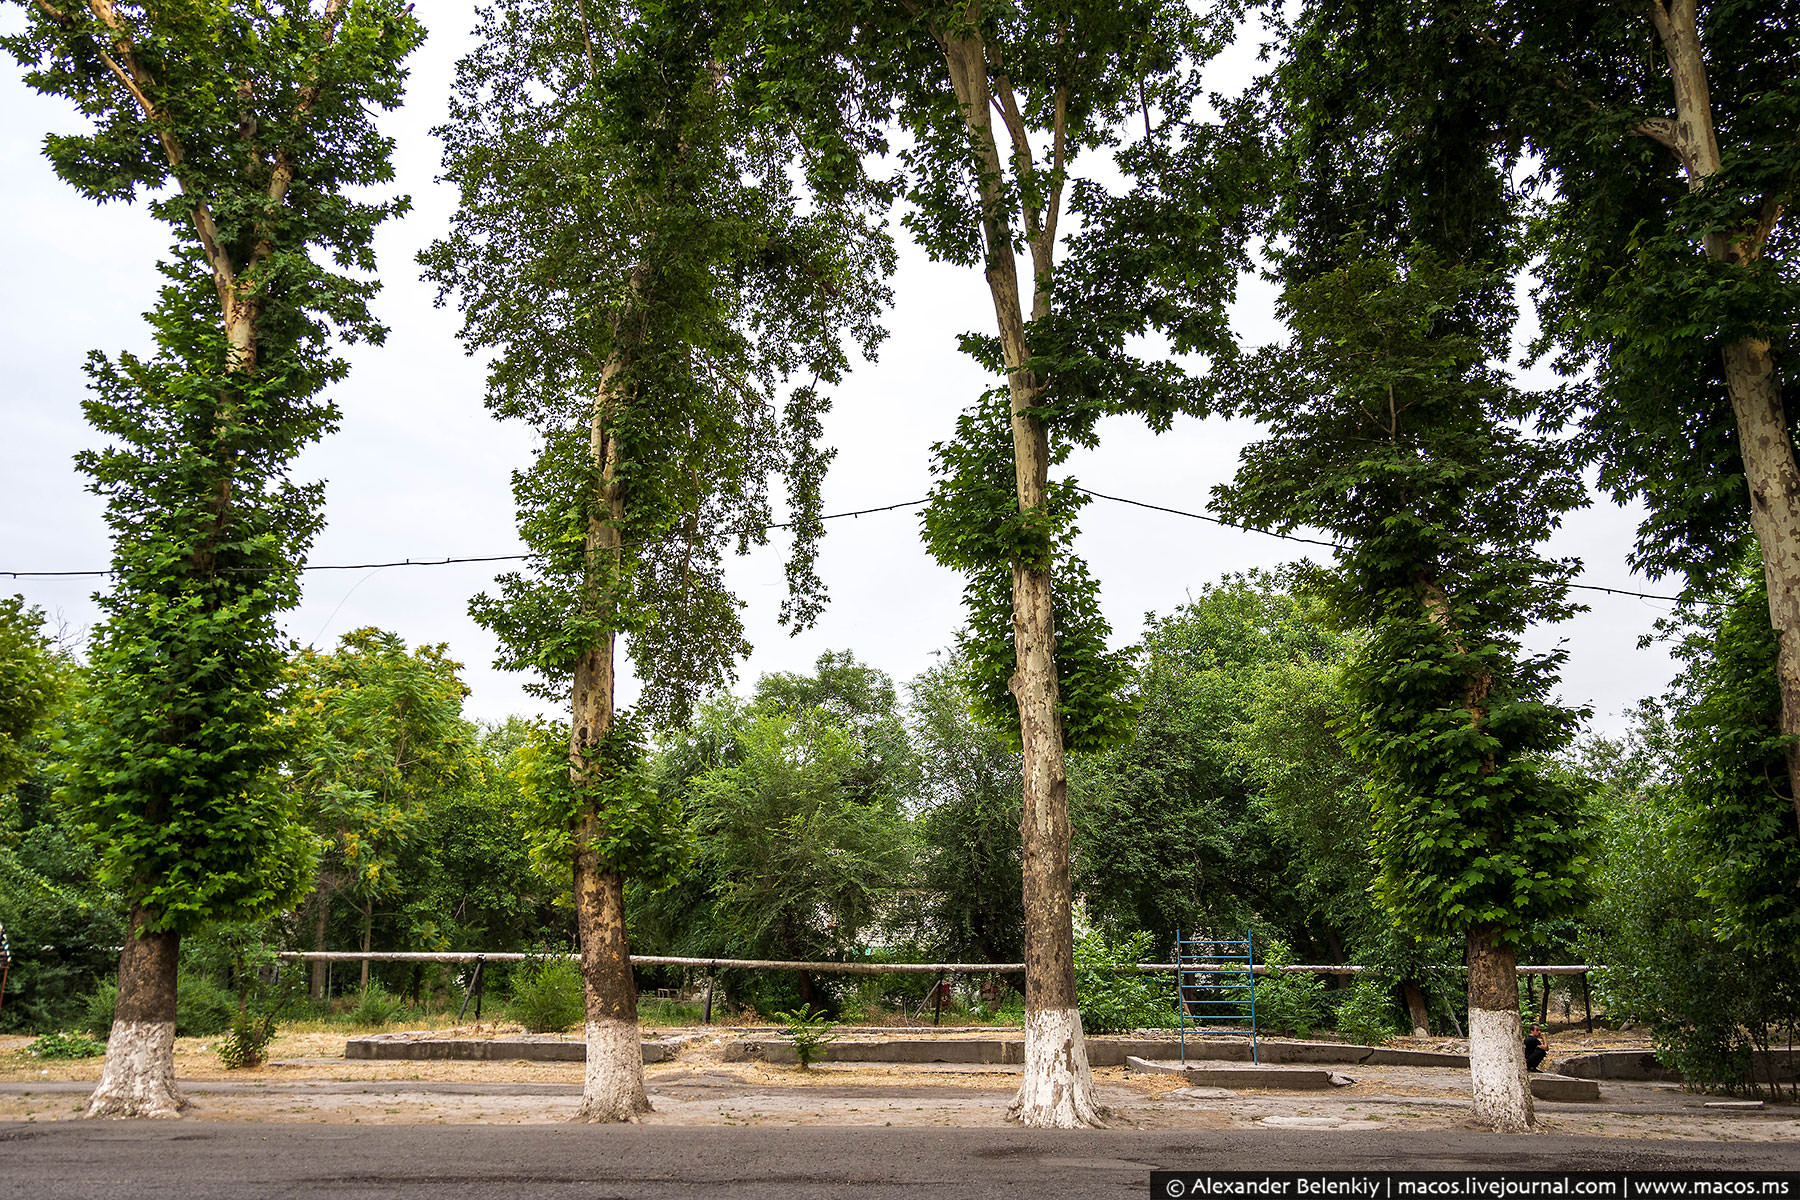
1214,983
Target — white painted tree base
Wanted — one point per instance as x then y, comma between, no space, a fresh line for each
138,1079
1502,1093
1058,1089
612,1087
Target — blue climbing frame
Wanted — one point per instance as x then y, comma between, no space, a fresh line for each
1214,983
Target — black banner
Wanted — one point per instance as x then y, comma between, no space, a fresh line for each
1476,1185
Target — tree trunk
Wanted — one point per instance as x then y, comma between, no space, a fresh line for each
1764,442
368,921
138,1079
1058,1088
1502,1093
613,1085
1416,1008
321,902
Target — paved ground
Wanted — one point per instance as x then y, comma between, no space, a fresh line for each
192,1160
314,1124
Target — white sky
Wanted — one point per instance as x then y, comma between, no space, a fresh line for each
419,470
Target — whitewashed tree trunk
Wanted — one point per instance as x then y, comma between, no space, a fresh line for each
1501,1091
1057,1090
138,1078
613,1084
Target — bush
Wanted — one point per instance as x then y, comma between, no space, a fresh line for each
65,1045
247,1043
1113,996
202,1007
547,996
1288,1003
1366,1013
375,1007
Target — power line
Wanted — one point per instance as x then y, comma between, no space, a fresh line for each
479,558
859,512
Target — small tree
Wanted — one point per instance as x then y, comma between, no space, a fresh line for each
377,730
249,126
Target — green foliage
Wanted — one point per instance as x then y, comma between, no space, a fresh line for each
798,860
1292,1003
65,1045
1733,778
968,828
246,1044
628,162
375,1007
974,525
48,898
636,828
1696,875
270,201
796,804
1114,997
547,995
30,680
377,729
1390,428
1365,1013
808,1030
1631,299
1230,805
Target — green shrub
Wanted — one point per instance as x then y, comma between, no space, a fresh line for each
66,1045
1288,1003
202,1007
1113,996
547,996
1366,1013
375,1007
809,1029
246,1044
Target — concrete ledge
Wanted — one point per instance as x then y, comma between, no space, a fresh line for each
1288,1078
1102,1052
1634,1066
524,1048
1563,1087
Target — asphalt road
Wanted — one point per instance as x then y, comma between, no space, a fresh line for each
188,1160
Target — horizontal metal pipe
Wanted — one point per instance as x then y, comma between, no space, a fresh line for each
839,968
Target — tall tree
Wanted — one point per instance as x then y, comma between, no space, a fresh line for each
1391,427
632,246
249,126
1000,100
1667,130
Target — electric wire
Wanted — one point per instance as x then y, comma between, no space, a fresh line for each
859,512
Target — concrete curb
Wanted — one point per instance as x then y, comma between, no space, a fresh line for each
1102,1052
527,1048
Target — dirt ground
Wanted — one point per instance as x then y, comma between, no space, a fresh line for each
308,1079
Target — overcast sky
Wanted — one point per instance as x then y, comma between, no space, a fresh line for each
419,470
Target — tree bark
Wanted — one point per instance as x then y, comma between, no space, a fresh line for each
368,921
1057,1089
321,903
1764,440
138,1079
1502,1094
613,1085
1416,1008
